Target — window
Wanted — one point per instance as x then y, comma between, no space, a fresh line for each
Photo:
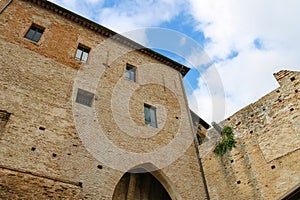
150,115
34,33
131,72
82,53
4,117
84,97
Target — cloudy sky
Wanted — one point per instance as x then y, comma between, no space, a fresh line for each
232,46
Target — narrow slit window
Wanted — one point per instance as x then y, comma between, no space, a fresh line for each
150,115
131,72
34,33
4,117
82,53
84,97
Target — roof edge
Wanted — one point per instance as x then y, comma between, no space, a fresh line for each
110,34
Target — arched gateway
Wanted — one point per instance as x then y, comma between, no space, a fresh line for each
140,184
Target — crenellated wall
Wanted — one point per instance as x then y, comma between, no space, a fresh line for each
265,163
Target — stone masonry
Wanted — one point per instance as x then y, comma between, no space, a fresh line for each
52,147
265,163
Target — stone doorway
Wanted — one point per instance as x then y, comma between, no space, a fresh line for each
140,186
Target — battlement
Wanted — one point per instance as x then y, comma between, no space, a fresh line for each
284,75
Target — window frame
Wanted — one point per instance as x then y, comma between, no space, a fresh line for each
84,51
130,72
151,110
34,33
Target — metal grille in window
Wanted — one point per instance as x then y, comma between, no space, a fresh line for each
34,33
131,72
84,97
82,53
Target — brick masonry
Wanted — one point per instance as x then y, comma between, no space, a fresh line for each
42,153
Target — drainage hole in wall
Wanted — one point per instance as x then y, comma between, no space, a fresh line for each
100,167
277,91
296,91
273,167
231,161
54,155
238,182
42,128
293,78
251,132
291,109
33,148
80,184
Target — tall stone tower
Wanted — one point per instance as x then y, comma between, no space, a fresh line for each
89,114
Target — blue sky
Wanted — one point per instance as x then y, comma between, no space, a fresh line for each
232,46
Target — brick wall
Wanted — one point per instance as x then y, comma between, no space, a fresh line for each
41,144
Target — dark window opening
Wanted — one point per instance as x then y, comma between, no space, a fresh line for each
293,78
200,138
84,97
4,117
150,115
34,33
131,72
82,53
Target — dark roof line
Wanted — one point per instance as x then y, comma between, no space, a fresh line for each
198,120
110,34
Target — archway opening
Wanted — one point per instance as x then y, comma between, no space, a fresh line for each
140,186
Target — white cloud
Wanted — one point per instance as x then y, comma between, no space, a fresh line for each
263,33
234,26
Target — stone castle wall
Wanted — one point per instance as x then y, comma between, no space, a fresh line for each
42,152
265,163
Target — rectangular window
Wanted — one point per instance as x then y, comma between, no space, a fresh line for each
82,53
150,115
34,33
131,72
84,97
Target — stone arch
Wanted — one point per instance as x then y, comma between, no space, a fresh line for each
143,172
